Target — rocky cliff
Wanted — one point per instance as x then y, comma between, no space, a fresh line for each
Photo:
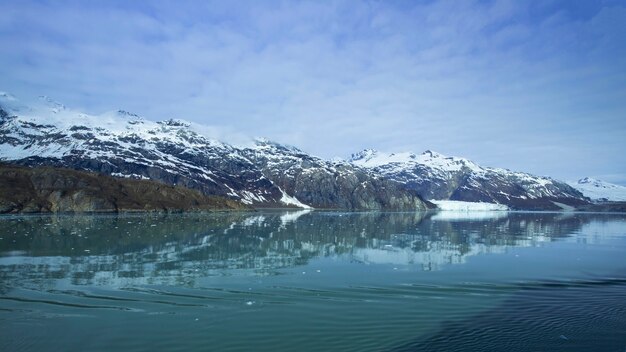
47,189
325,184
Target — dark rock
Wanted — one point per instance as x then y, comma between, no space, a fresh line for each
617,207
48,189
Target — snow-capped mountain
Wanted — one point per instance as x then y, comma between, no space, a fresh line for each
600,191
438,177
328,184
268,174
176,152
123,144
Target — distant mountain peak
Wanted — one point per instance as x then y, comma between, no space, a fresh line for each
264,143
600,190
9,102
175,123
6,96
127,114
373,158
589,180
433,154
365,155
48,101
593,182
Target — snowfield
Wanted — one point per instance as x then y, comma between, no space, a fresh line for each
599,190
290,200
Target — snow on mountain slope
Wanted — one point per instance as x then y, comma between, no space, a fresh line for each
438,177
53,119
600,190
123,144
176,152
371,158
328,184
268,174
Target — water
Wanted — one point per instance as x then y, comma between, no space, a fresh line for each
314,281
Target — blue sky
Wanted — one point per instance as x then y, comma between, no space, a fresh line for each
537,86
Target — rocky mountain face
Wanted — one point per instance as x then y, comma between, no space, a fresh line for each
47,189
326,184
175,152
438,177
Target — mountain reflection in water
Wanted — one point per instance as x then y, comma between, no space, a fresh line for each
314,281
176,249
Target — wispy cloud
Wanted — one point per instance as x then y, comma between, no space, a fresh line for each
532,85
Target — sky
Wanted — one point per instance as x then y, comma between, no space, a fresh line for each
535,86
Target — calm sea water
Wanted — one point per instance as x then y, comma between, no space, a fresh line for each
314,281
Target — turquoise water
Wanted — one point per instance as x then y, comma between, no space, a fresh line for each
314,281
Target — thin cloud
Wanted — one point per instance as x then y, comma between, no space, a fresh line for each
535,86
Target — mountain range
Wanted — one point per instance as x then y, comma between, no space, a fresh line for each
264,174
436,176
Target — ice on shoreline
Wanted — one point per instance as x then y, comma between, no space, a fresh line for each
459,206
